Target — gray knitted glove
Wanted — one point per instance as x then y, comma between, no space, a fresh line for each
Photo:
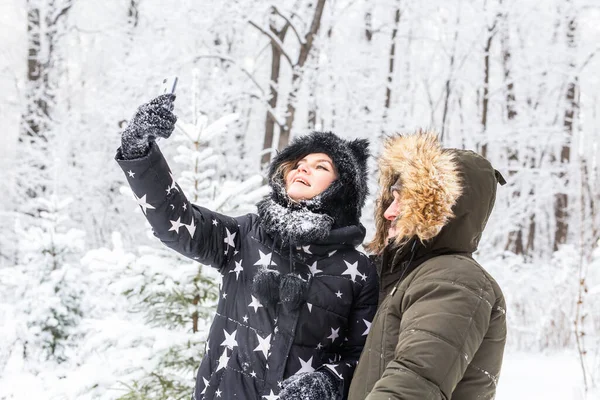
151,120
318,385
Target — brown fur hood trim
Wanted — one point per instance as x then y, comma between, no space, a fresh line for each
430,186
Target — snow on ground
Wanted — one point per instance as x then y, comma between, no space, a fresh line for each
525,376
528,376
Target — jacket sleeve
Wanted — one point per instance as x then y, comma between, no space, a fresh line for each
359,323
443,324
193,231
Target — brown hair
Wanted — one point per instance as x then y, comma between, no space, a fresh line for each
284,168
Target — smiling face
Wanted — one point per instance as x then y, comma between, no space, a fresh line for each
310,177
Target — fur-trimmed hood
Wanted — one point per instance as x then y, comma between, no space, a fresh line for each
446,195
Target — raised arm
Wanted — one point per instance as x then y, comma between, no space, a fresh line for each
193,231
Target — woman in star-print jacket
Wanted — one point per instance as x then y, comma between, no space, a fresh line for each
301,297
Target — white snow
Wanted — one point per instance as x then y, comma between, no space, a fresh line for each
553,376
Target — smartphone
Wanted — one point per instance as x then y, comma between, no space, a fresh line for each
169,84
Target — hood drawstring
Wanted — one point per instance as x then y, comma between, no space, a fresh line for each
405,267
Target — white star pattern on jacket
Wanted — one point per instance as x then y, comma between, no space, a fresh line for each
265,259
313,269
271,396
230,238
175,225
368,327
229,341
339,277
352,270
191,227
264,345
238,268
305,366
334,334
332,368
205,386
142,203
255,303
173,184
223,360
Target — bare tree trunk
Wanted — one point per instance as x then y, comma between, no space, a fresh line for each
561,203
369,25
37,109
516,239
448,84
390,75
195,315
305,49
133,13
306,44
273,90
486,83
312,103
42,34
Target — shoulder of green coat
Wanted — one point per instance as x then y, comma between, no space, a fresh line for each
458,270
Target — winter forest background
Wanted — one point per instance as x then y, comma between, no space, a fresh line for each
92,307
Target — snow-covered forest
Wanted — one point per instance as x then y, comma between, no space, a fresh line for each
92,306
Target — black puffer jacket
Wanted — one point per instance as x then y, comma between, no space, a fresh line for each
253,348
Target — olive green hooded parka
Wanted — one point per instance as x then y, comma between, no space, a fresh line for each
440,329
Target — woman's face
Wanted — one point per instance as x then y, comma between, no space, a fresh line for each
310,177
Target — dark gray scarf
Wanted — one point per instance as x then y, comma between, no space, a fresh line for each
293,223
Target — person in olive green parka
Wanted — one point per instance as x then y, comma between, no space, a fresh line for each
440,329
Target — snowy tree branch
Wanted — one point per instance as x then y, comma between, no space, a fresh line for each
275,40
276,11
588,59
61,13
229,60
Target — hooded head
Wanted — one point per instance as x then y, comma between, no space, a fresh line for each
300,222
343,200
444,196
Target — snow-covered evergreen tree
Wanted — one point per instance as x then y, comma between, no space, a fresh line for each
51,296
